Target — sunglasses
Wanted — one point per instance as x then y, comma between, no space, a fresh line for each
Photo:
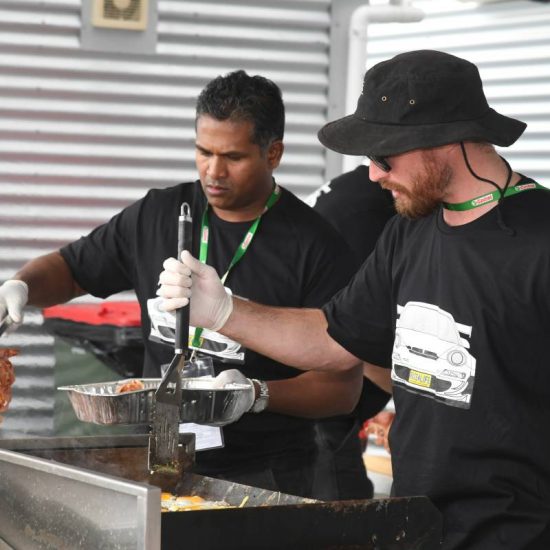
380,162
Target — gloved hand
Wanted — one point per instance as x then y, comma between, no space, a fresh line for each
211,305
244,398
13,298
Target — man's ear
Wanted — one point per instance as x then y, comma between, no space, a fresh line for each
275,153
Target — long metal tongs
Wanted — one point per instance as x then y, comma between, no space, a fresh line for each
164,436
5,324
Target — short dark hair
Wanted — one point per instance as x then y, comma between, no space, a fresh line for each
240,97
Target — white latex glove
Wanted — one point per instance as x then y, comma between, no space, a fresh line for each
13,298
244,398
211,305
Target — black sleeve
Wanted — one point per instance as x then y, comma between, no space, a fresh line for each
373,399
332,266
311,254
103,262
361,229
360,316
357,208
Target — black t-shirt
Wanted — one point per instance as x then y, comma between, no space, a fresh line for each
462,316
296,259
358,209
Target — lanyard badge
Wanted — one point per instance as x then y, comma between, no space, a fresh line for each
241,249
492,197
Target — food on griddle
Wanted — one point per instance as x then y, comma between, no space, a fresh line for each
130,385
7,377
174,503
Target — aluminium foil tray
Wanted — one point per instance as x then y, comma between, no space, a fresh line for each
99,403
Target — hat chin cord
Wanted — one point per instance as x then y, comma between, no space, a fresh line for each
500,220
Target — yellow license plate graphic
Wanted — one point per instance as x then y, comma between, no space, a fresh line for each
420,379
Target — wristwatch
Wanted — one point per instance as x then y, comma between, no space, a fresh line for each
262,399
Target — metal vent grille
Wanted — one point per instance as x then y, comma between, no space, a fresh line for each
127,10
120,14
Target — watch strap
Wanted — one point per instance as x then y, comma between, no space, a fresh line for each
262,399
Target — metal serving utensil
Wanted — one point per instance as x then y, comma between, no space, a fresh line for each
164,437
5,324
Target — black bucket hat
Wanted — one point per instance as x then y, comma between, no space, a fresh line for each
417,100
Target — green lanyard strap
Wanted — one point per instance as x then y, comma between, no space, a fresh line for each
493,196
241,249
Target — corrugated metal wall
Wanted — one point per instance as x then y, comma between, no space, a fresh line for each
510,43
84,133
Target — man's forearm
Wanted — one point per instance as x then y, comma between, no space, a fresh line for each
316,394
294,337
49,279
379,376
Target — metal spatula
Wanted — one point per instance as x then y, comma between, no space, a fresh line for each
164,436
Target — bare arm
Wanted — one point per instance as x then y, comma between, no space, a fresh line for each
292,336
316,394
50,280
295,337
379,376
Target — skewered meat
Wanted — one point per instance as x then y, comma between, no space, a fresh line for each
7,377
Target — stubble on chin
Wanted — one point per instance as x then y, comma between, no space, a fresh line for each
427,190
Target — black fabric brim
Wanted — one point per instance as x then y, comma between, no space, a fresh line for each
352,135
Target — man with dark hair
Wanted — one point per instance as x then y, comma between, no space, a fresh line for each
266,244
454,300
255,99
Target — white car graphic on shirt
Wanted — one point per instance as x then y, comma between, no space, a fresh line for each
430,357
163,329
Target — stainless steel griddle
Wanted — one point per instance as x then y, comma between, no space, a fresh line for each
96,492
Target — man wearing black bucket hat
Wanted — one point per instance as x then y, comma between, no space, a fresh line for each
454,299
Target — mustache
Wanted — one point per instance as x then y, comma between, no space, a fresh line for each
215,183
394,186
